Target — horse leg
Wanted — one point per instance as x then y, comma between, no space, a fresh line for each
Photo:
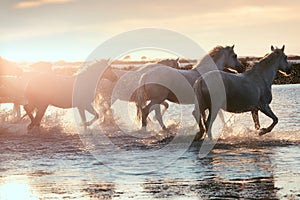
103,107
145,112
166,105
39,115
210,120
35,121
17,111
91,110
82,117
29,109
158,115
267,111
198,117
255,118
207,122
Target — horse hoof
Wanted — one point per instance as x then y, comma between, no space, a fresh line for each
33,129
84,124
164,128
88,123
198,136
30,126
263,131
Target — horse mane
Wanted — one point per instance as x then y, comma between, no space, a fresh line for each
216,50
264,61
88,67
211,54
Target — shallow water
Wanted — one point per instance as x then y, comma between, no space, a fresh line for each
58,163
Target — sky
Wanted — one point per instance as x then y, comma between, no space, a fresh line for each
50,30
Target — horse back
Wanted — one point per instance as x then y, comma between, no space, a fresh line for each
12,89
45,89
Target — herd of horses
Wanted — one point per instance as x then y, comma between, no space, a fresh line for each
208,86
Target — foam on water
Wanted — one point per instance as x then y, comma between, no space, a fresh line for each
237,128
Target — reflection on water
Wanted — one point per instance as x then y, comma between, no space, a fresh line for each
53,163
16,187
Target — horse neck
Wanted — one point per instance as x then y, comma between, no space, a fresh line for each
219,61
88,76
266,69
205,64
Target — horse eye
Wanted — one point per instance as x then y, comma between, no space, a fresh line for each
285,57
234,56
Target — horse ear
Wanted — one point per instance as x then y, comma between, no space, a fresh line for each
272,48
282,49
232,47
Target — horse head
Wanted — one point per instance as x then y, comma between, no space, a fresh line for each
99,66
170,62
231,60
284,66
225,57
110,74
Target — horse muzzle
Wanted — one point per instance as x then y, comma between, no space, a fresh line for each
289,71
240,68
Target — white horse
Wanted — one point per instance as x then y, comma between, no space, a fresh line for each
249,91
51,89
106,98
160,84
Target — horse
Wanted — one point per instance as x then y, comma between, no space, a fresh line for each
12,90
160,84
59,91
174,63
248,91
106,87
8,68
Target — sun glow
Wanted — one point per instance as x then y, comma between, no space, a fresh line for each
16,189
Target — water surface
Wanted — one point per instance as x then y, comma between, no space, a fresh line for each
57,163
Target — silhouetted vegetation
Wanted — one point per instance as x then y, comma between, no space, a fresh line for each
70,68
281,78
293,78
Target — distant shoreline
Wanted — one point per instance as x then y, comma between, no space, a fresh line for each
69,68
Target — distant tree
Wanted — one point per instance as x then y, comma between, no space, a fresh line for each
127,57
143,58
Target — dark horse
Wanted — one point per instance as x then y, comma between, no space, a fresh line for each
237,93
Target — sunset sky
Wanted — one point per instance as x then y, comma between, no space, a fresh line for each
70,30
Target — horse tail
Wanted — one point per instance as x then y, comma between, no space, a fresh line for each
141,97
197,94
